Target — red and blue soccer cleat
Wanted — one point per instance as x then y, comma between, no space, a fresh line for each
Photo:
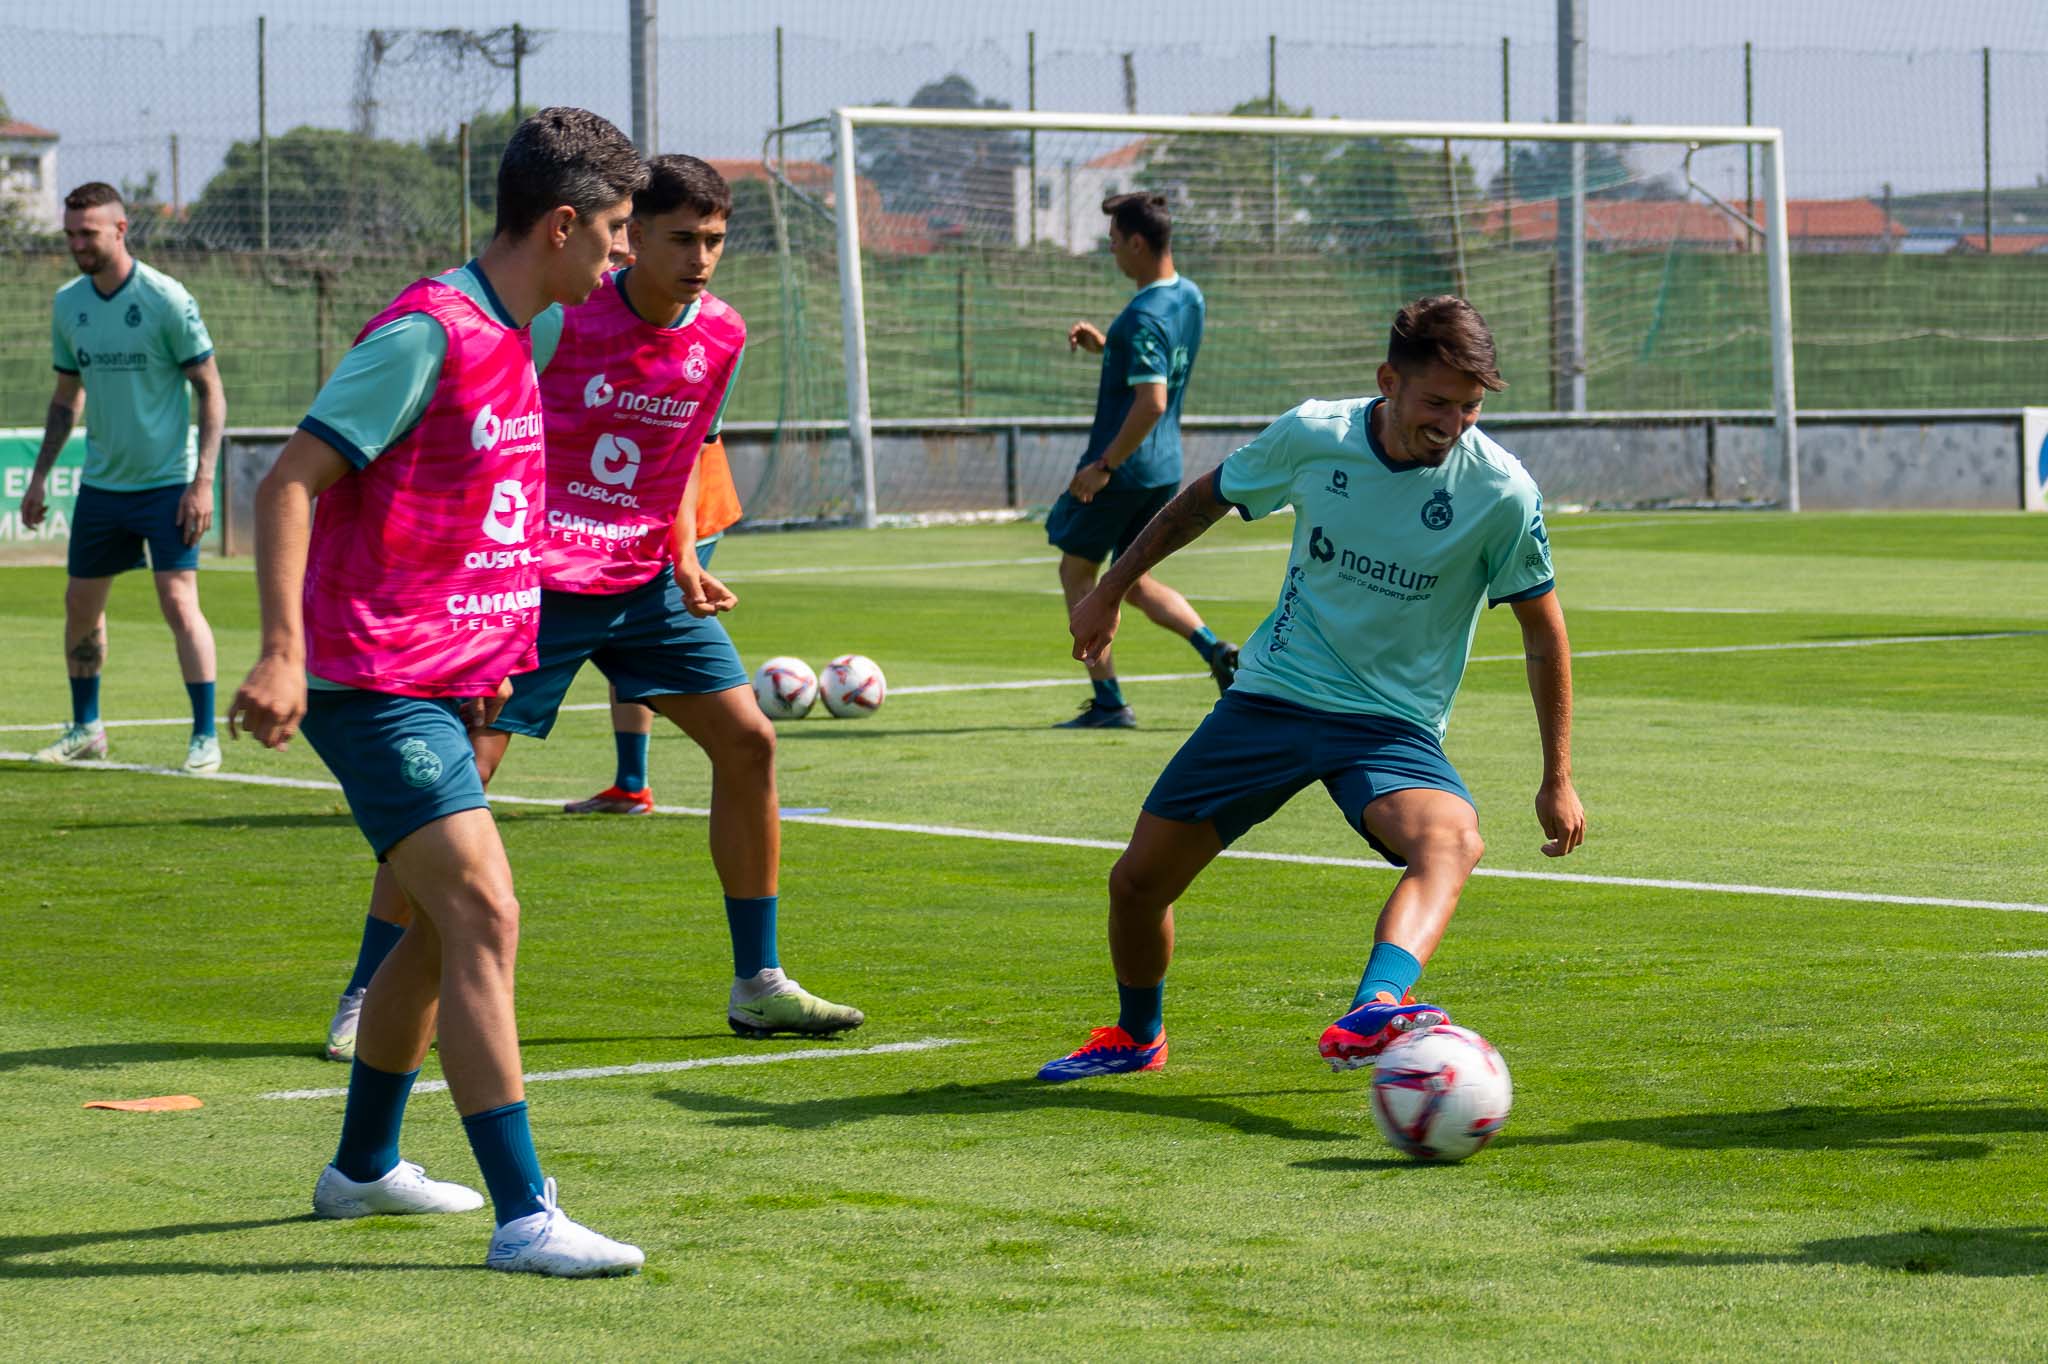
1370,1028
1109,1051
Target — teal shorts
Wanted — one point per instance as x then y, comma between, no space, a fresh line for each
645,642
1253,753
109,530
402,761
1107,523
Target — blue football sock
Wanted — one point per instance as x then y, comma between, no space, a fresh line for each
378,940
85,699
1109,695
1390,968
369,1125
503,1144
1141,1010
1205,643
632,748
753,934
202,708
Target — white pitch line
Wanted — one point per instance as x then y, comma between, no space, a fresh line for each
2035,953
663,1067
1113,845
1036,683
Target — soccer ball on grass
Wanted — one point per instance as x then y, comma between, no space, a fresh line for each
1440,1093
786,688
852,686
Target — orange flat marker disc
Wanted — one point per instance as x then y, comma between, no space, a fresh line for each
163,1103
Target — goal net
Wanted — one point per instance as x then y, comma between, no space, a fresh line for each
932,261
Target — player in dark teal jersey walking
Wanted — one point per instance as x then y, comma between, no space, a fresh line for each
1132,466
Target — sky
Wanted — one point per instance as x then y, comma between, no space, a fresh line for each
1884,91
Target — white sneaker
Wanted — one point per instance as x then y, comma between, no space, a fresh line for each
406,1189
88,740
547,1242
203,753
341,1033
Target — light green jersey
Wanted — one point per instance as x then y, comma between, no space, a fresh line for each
131,348
381,388
1391,562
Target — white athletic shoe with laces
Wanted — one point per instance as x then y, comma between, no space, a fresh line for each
88,740
547,1242
406,1189
341,1033
203,753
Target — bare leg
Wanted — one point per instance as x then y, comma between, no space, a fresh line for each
746,826
630,717
1164,607
1161,862
1077,579
1438,834
458,957
177,593
85,625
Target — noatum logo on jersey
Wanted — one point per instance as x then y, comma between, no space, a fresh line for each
487,430
597,392
1385,576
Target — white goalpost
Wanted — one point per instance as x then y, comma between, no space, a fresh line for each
1322,220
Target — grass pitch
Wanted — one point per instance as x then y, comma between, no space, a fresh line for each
1745,1121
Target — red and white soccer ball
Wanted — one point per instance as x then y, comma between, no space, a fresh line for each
786,688
852,686
1440,1093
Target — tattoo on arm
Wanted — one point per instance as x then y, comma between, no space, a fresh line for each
1179,524
56,430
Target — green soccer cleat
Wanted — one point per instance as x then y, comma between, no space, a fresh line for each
783,1006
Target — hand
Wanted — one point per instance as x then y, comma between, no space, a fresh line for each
479,712
271,701
1089,480
195,511
34,504
704,595
1093,623
1562,817
1084,336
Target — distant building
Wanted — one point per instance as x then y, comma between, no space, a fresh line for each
28,172
2002,244
1064,206
883,232
1827,226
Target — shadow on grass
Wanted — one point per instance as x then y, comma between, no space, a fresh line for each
102,1055
1933,1132
1003,1096
1979,1252
1351,1165
228,823
842,732
13,1248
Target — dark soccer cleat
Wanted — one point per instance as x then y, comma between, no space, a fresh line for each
1223,665
1370,1028
1093,716
1108,1051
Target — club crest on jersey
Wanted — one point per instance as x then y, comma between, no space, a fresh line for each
696,364
420,764
597,393
133,317
615,460
1436,513
508,496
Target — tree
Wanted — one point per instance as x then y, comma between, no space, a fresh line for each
488,134
329,190
959,180
1543,170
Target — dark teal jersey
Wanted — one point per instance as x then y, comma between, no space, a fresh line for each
1154,340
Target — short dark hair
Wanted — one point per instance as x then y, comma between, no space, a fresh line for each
1444,328
92,194
1142,214
564,156
678,181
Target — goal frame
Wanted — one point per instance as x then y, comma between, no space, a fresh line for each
845,122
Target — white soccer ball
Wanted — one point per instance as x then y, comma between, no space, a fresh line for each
852,686
786,688
1440,1093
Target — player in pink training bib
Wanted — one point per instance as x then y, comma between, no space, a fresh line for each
398,559
637,382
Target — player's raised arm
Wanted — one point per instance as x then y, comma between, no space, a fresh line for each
272,700
1547,654
1179,523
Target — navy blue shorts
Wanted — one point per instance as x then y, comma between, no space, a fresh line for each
402,761
644,641
1106,524
108,531
1252,753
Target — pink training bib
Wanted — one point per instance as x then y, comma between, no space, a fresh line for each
423,576
628,407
